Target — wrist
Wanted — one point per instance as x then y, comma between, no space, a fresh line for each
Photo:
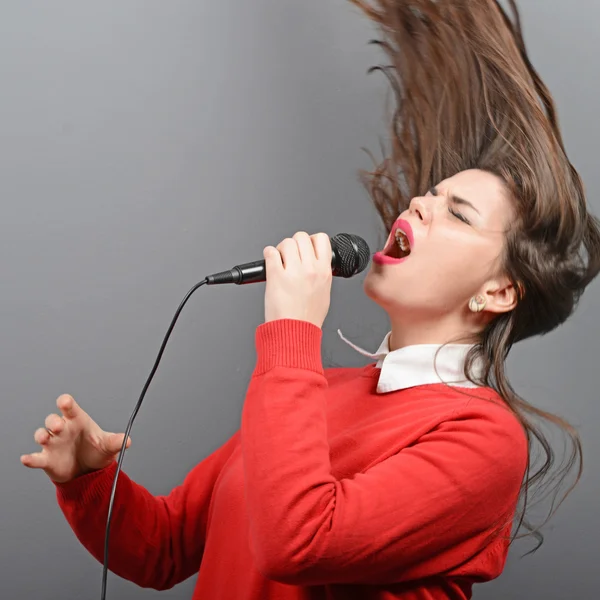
291,343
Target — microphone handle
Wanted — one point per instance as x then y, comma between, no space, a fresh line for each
252,272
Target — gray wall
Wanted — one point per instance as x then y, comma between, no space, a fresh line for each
145,144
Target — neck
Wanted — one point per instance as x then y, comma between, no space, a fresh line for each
412,331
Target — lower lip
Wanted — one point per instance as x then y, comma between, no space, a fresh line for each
381,259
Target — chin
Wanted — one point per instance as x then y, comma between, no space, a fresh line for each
378,288
392,294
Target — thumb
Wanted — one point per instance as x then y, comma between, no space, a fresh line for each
114,441
272,258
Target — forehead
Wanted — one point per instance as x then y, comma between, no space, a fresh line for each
486,191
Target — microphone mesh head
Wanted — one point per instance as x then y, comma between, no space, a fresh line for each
352,254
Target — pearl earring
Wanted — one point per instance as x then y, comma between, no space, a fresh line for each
477,304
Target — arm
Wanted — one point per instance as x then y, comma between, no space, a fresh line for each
423,511
155,541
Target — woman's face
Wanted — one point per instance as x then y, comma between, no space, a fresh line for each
456,238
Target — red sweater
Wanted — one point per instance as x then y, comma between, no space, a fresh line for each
328,490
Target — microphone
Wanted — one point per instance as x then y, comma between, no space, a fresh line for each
350,255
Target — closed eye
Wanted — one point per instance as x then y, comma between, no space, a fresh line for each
458,215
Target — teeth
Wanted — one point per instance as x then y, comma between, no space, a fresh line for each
402,240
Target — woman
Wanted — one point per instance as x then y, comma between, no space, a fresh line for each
400,479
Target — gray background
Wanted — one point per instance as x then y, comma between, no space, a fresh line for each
145,144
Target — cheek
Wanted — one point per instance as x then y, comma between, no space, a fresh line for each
461,268
435,277
458,263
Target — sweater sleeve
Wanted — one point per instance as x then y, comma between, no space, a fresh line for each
155,541
423,511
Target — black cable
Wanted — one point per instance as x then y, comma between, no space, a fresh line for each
131,419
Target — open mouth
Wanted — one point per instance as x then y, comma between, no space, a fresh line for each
399,244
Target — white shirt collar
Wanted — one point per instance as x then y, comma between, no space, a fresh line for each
414,365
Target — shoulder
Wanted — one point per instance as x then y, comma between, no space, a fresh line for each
478,422
484,420
477,403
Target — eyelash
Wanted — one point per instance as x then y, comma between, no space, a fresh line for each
458,215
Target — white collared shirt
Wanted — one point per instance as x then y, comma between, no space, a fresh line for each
414,365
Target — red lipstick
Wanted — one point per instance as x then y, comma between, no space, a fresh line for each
385,257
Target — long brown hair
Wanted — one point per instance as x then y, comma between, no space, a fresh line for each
467,97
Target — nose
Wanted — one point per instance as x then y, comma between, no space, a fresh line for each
421,209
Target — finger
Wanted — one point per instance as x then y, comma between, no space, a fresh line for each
37,460
290,255
273,260
41,436
305,248
322,245
54,424
114,441
68,407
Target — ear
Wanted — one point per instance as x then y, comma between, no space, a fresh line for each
500,294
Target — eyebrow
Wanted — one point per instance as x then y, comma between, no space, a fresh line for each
455,199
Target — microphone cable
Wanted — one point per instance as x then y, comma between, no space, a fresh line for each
128,429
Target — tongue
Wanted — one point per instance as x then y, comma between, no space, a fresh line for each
396,252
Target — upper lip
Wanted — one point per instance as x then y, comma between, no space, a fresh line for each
405,227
